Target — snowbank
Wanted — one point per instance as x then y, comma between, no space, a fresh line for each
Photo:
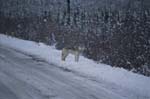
99,72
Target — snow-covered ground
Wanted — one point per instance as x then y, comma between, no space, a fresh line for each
134,85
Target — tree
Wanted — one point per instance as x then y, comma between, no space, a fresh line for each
68,11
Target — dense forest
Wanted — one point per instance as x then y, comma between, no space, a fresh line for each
115,32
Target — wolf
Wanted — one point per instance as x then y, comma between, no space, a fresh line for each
76,51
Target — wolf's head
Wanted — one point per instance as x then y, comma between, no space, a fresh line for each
81,48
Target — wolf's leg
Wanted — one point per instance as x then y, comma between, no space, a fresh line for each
76,56
64,54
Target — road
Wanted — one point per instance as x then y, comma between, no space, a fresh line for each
27,77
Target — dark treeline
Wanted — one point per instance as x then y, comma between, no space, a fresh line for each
114,32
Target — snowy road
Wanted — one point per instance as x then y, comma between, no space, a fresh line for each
26,77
